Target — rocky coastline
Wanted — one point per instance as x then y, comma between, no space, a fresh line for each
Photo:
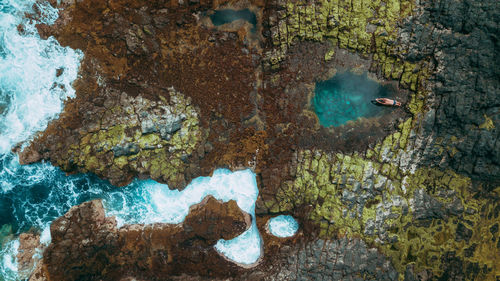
164,94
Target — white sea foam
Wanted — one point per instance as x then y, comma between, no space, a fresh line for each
30,91
150,202
8,260
283,226
31,94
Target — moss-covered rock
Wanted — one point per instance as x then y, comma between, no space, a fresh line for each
414,216
141,137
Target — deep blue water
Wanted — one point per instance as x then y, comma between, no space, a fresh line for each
220,17
346,96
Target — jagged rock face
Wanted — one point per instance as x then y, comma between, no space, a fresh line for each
87,245
126,112
27,256
130,132
342,259
462,38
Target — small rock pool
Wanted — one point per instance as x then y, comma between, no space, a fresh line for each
283,226
347,96
224,16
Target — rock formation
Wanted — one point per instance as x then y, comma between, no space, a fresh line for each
164,95
87,245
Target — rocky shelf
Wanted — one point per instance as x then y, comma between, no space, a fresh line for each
162,93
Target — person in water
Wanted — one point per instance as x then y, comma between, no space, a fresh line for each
386,101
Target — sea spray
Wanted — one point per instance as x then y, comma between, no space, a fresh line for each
35,79
31,89
8,260
39,198
151,202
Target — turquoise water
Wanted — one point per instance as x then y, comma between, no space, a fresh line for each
147,201
32,196
224,16
30,91
347,97
283,226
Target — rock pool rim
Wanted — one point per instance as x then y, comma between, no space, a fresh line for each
348,93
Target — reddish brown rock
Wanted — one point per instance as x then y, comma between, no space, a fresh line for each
87,245
26,256
142,48
29,156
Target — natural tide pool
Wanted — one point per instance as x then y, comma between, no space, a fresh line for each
283,226
224,16
347,96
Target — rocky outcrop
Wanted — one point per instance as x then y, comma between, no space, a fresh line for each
87,245
126,110
420,183
414,216
130,132
29,254
342,259
462,40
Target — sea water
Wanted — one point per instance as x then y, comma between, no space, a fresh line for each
31,91
31,94
35,79
283,226
147,201
347,96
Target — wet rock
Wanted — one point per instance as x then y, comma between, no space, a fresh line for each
342,259
126,150
27,257
463,232
167,131
87,244
28,156
166,125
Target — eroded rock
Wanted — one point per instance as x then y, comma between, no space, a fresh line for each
88,245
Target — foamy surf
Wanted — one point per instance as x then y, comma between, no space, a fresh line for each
31,91
148,202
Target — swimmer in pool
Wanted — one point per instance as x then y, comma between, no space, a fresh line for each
386,101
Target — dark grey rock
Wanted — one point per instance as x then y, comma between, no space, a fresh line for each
343,259
126,150
426,207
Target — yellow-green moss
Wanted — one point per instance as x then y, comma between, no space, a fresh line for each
488,123
321,179
155,156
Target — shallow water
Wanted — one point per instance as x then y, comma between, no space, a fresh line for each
224,16
347,97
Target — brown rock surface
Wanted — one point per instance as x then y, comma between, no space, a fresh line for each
26,256
249,116
141,49
87,245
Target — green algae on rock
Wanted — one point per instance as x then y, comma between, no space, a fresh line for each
367,27
413,216
142,136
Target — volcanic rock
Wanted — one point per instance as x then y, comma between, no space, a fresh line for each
87,245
